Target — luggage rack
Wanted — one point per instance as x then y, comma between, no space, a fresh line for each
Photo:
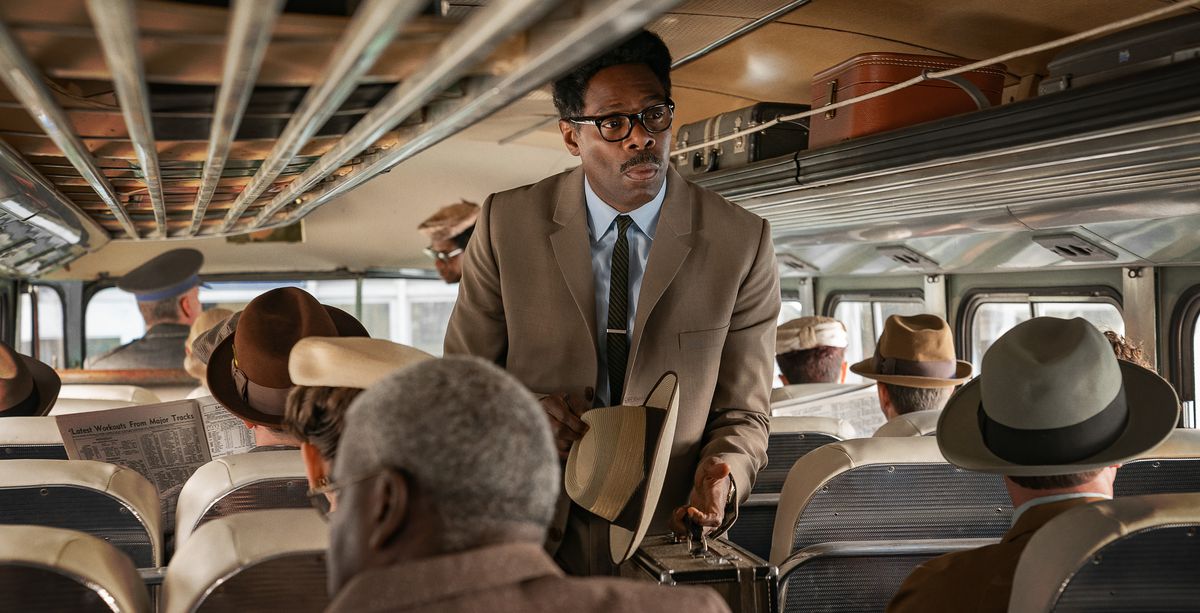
1011,167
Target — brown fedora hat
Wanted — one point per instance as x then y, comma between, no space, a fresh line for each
915,351
27,386
248,369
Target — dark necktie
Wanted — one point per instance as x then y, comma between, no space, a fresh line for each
618,313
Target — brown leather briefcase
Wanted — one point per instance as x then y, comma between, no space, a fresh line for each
933,99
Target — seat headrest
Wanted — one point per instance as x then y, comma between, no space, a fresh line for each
832,426
130,394
30,431
219,477
917,423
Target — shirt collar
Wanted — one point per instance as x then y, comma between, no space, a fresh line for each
601,215
422,582
1052,499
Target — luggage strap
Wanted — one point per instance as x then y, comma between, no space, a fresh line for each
972,90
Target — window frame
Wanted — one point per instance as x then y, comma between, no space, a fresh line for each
1180,343
974,298
35,342
914,295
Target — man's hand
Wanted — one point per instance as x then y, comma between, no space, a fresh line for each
706,505
564,412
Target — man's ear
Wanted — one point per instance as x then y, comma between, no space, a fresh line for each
845,367
249,424
189,308
314,465
390,502
570,136
783,379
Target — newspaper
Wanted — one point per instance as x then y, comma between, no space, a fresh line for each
164,442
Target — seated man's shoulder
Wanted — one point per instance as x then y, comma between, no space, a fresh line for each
979,579
615,594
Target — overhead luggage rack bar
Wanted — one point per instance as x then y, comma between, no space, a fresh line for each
116,28
249,34
24,81
470,43
601,24
372,28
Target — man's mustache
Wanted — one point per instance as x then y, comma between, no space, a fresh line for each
645,157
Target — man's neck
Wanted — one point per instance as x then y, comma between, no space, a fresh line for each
1021,495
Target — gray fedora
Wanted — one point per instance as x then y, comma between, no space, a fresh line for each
1053,399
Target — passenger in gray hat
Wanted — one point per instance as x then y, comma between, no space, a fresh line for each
168,294
1055,412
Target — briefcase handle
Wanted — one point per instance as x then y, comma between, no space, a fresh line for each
966,85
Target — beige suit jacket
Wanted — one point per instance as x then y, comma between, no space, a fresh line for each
707,310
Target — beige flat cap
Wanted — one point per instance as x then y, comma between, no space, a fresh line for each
809,333
450,221
322,361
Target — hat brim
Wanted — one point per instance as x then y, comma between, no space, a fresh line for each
220,371
866,368
47,383
1153,413
623,543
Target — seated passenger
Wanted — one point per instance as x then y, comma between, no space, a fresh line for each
914,365
1056,413
448,231
204,322
28,388
328,373
168,296
447,481
248,365
809,350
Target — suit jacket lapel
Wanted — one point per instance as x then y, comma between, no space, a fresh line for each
570,242
672,243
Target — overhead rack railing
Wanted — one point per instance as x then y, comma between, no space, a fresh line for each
371,30
116,28
552,50
469,45
24,81
250,26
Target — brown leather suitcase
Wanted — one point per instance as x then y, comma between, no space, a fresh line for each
869,72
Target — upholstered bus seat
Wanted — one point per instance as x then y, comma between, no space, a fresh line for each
1128,554
105,500
55,570
1171,468
242,482
873,494
791,438
272,560
80,398
917,423
30,438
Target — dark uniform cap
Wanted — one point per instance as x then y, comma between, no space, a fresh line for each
166,275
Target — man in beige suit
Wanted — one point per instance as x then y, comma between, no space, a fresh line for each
696,292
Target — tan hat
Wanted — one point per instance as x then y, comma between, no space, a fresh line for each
450,221
810,333
915,351
617,469
205,321
28,388
1053,399
331,361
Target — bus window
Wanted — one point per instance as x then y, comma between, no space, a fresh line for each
992,318
51,347
410,311
864,321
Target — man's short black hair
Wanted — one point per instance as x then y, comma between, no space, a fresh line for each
463,237
817,365
642,48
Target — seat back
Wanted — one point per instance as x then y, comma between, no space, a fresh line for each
129,394
790,439
1171,468
885,489
271,560
52,570
1138,553
30,438
105,500
241,482
917,423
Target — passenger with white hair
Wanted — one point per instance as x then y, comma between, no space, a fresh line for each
447,478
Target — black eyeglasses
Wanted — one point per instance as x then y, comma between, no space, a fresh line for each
319,496
618,126
444,256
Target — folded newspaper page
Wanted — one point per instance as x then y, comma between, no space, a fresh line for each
165,442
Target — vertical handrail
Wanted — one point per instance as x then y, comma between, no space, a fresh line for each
250,26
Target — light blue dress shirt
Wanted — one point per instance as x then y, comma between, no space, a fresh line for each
602,230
